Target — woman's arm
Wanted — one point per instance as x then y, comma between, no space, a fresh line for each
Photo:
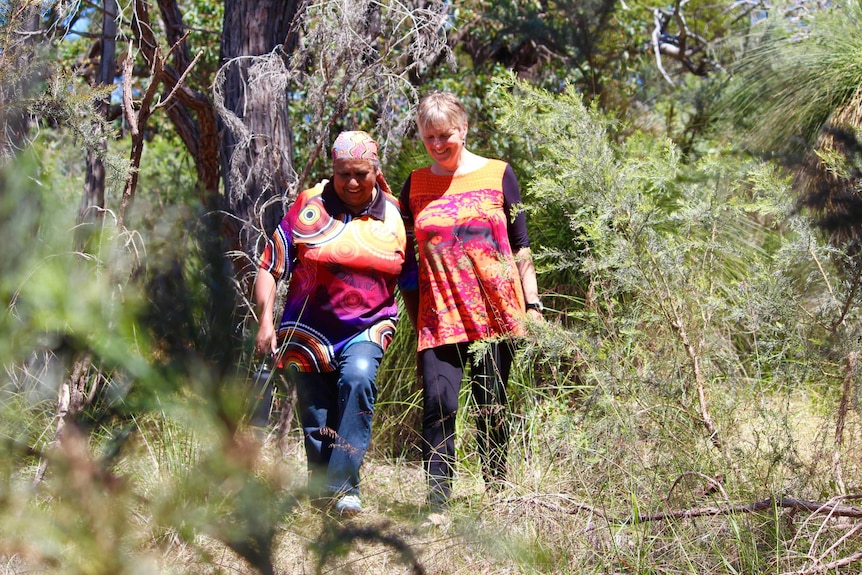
411,305
266,342
527,271
517,228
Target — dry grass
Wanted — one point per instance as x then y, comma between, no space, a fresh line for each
551,519
576,479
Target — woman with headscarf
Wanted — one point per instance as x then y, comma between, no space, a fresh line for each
476,283
342,247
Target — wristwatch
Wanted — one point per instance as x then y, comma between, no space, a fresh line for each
536,305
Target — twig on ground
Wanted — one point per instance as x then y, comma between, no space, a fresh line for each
832,509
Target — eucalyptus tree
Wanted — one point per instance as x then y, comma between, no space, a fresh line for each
340,64
279,65
262,132
93,196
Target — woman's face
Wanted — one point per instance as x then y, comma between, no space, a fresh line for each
444,143
354,182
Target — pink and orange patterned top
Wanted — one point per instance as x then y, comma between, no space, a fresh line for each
469,286
343,271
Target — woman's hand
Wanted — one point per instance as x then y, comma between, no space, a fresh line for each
534,314
266,342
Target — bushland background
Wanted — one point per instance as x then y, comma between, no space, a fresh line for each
691,176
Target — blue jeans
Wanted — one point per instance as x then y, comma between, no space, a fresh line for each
335,411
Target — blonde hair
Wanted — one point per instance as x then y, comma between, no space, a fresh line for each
441,109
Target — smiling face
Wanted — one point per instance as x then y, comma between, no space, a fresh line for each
354,182
444,142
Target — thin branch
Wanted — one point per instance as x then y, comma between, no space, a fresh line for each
841,540
156,72
656,35
179,84
848,300
692,349
813,255
843,406
128,107
576,506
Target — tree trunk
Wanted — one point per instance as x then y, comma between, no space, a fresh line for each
256,159
192,112
72,397
93,198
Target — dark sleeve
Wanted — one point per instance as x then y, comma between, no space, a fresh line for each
409,278
404,200
512,201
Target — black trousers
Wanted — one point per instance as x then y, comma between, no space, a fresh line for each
442,372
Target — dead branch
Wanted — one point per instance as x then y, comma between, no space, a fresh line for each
190,111
657,44
128,105
180,82
137,119
832,509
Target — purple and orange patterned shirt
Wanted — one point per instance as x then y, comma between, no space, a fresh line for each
469,286
342,272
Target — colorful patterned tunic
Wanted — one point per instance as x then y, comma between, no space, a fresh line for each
469,286
343,270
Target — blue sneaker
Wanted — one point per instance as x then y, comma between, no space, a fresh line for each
349,505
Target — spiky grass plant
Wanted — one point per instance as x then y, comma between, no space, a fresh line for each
796,93
796,74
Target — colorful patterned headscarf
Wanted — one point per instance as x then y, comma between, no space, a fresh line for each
358,145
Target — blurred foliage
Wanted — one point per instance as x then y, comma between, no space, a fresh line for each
155,309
